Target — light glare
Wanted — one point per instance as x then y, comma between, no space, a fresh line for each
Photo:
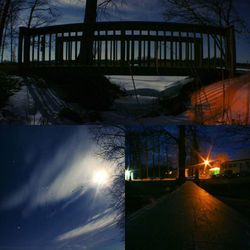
206,162
100,177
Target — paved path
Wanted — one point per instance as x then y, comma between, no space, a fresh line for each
189,218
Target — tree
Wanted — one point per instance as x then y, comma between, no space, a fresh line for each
111,147
156,139
86,51
181,140
223,13
41,12
194,151
9,17
4,16
92,7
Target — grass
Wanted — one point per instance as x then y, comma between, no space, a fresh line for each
141,193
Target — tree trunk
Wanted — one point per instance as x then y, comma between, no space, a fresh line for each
86,51
3,45
195,152
182,153
32,10
3,20
159,156
153,160
90,11
146,155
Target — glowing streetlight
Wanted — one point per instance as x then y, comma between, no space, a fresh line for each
206,162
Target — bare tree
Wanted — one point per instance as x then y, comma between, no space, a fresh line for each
4,17
111,147
9,14
41,12
221,13
90,17
155,142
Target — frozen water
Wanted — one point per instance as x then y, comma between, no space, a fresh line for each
154,83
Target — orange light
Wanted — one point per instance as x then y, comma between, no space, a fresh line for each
206,162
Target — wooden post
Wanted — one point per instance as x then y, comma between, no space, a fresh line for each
24,46
123,47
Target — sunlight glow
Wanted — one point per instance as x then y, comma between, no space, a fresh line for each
101,178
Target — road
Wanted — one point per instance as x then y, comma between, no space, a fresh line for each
189,218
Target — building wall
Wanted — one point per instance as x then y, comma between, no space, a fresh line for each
236,167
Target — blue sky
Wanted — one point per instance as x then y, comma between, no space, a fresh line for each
49,195
143,10
217,139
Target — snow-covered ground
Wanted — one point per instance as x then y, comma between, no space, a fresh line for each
32,105
153,84
223,102
226,102
143,92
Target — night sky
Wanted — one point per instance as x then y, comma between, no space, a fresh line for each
48,197
233,141
225,139
144,10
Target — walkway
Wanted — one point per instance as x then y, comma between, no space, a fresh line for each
189,218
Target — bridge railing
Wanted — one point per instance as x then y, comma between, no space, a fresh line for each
124,44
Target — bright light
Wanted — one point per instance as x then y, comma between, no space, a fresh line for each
129,175
206,162
101,178
215,171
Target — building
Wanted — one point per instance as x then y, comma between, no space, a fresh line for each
236,167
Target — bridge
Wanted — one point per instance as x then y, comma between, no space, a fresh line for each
124,48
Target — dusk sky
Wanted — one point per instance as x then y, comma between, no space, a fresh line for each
50,195
143,10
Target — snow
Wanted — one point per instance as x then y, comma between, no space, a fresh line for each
32,105
243,69
153,83
149,89
226,102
